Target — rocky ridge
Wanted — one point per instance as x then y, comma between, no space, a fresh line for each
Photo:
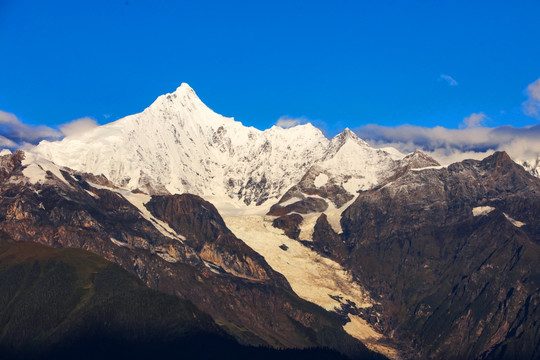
451,253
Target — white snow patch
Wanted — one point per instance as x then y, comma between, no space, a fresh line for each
213,268
139,200
353,185
514,222
37,167
5,152
35,173
308,226
438,167
92,194
321,180
369,337
119,243
166,257
235,207
393,152
333,215
359,326
482,210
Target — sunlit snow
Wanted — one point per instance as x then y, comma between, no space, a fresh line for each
482,210
311,276
321,180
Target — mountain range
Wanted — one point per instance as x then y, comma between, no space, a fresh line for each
286,239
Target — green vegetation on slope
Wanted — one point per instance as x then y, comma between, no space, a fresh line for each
61,303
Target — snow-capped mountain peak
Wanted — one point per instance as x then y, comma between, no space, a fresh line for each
348,134
179,145
346,140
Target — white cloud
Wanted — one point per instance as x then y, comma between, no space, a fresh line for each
531,106
6,143
12,128
450,145
449,156
474,120
78,126
289,122
8,118
449,80
16,134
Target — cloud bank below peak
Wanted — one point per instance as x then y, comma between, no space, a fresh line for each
14,131
16,134
451,145
78,126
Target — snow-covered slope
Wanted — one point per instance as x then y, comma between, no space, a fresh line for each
531,165
313,277
179,145
350,161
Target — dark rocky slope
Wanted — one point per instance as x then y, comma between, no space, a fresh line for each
453,285
234,285
69,303
208,235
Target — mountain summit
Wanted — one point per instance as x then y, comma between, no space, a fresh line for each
179,145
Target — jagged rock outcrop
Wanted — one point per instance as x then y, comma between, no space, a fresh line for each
415,160
289,224
303,206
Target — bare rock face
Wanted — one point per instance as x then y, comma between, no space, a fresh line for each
415,160
327,242
207,233
453,254
10,163
289,224
303,206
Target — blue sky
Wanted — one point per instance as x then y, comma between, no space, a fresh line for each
338,64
